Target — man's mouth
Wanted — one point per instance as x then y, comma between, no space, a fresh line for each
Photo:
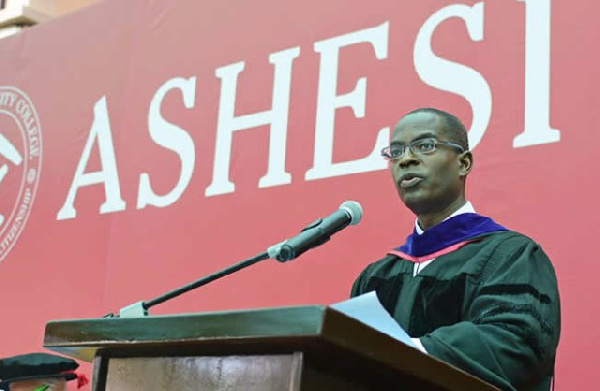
409,180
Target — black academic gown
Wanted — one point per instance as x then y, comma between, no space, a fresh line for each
490,308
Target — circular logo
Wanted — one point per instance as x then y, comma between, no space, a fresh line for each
20,163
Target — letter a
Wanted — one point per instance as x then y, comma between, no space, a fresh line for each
108,176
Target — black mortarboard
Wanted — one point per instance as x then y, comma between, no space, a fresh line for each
35,365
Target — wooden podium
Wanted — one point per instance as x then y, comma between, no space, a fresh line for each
275,349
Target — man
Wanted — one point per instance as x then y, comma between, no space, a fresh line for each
469,291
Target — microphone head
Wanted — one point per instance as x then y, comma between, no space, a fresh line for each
353,209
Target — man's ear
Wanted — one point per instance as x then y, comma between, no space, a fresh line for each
466,163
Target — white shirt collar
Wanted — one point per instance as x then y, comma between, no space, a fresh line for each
466,208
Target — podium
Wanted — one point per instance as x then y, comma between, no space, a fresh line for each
304,348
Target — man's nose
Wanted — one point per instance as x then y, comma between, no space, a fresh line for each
408,158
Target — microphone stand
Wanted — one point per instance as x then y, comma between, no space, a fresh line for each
140,309
315,234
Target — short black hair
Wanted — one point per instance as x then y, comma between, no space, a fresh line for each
456,129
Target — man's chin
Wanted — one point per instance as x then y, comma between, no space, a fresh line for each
412,201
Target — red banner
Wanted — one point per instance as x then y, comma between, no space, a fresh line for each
146,144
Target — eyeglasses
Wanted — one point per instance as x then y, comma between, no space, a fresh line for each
417,148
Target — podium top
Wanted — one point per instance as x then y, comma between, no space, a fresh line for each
319,332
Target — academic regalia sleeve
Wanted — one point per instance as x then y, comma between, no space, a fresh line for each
511,322
359,287
361,284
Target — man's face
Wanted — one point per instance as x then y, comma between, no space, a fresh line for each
428,183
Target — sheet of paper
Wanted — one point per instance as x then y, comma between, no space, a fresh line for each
367,309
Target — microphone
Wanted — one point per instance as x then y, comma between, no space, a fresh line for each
317,233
